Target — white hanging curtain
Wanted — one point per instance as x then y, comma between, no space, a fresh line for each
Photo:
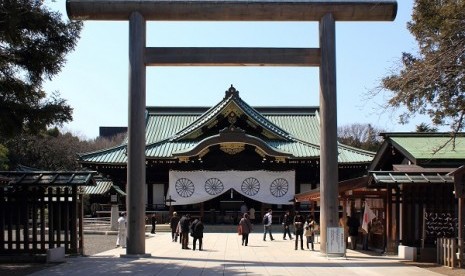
190,187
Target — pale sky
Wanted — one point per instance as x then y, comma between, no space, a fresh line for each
94,80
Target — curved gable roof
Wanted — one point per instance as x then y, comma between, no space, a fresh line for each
292,131
231,103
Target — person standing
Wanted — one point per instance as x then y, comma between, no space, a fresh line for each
309,228
174,220
154,222
197,232
267,221
287,225
244,209
184,224
299,229
353,225
121,239
246,227
343,224
252,214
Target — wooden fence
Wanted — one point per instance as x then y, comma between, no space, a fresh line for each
447,249
35,219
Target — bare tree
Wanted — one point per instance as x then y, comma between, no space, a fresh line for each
363,136
53,150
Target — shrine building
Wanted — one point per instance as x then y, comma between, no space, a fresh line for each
209,161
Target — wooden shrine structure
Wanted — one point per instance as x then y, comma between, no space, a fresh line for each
42,210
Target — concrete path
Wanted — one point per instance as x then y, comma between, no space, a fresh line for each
223,254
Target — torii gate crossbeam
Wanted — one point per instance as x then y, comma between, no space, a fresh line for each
140,56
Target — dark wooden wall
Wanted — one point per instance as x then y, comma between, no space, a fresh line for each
35,219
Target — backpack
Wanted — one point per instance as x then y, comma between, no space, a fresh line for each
265,219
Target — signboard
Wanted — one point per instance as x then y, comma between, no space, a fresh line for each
335,243
114,198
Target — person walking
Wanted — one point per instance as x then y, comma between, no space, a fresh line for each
299,229
122,223
287,225
174,220
197,233
178,231
246,227
309,228
154,222
267,221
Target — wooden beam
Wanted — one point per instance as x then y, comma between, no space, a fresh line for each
233,10
183,56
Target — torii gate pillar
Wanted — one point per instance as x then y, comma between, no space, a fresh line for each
138,11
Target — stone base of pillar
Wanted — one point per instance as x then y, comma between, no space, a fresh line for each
136,256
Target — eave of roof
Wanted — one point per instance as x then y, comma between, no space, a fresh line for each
343,186
49,178
383,178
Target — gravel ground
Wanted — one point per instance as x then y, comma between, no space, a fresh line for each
94,244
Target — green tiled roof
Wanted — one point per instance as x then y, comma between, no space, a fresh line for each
295,130
103,187
431,146
49,178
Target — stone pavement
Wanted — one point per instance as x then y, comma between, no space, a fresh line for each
223,254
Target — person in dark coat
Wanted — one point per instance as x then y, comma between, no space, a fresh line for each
154,223
174,220
299,229
287,225
197,232
246,228
184,224
353,224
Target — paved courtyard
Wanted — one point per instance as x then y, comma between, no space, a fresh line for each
224,255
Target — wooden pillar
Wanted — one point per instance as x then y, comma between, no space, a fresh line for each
398,215
80,206
328,131
460,236
136,137
388,220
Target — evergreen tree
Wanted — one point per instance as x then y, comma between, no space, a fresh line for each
33,45
425,128
431,82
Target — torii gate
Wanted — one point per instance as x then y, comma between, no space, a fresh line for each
140,56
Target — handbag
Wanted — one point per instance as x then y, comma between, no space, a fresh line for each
239,230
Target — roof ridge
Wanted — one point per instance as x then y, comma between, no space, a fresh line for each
232,95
